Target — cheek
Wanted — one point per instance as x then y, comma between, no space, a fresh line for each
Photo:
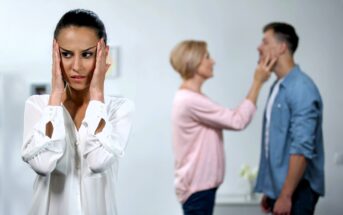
273,52
89,64
201,69
268,51
65,64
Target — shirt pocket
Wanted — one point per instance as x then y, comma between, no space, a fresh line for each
281,116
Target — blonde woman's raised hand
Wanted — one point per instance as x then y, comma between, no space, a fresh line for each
97,84
264,69
262,74
57,84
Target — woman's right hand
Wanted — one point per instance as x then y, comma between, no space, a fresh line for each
262,74
264,69
57,84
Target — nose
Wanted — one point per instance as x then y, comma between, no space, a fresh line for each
76,64
259,48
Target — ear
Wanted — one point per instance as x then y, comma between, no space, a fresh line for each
283,48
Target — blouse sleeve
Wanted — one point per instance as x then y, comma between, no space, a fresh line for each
39,150
103,148
213,115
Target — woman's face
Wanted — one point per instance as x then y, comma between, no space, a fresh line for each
205,69
78,55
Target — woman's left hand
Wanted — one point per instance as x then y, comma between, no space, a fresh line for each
96,88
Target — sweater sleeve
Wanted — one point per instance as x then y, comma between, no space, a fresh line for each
211,114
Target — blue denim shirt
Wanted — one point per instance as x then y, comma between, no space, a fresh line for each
295,128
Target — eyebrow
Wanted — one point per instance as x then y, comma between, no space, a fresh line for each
66,50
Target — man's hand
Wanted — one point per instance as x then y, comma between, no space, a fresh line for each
283,205
264,205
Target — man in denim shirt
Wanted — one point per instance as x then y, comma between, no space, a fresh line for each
291,172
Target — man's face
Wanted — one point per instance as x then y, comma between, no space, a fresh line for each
269,46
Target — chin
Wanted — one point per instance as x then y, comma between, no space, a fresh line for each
78,87
209,77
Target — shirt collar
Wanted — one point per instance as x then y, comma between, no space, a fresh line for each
288,79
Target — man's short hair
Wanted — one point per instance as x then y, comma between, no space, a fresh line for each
284,32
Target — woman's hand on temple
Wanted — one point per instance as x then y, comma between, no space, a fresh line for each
97,84
57,83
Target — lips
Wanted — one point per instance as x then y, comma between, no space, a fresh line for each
78,77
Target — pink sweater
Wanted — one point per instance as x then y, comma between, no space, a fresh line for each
198,140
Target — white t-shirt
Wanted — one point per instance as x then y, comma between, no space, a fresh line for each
269,113
76,169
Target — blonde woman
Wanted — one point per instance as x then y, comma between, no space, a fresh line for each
198,123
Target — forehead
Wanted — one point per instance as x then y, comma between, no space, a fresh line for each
77,38
269,35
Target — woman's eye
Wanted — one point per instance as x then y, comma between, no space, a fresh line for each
66,54
87,54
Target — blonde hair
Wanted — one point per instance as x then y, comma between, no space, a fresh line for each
186,57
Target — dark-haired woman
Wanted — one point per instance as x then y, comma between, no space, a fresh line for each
74,137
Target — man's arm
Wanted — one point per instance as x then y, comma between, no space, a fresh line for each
296,169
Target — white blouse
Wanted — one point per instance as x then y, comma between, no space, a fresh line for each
76,169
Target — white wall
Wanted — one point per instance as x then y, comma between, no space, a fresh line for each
146,31
17,178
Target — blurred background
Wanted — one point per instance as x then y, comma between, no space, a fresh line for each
142,34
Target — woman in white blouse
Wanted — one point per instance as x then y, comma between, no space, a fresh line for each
74,137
